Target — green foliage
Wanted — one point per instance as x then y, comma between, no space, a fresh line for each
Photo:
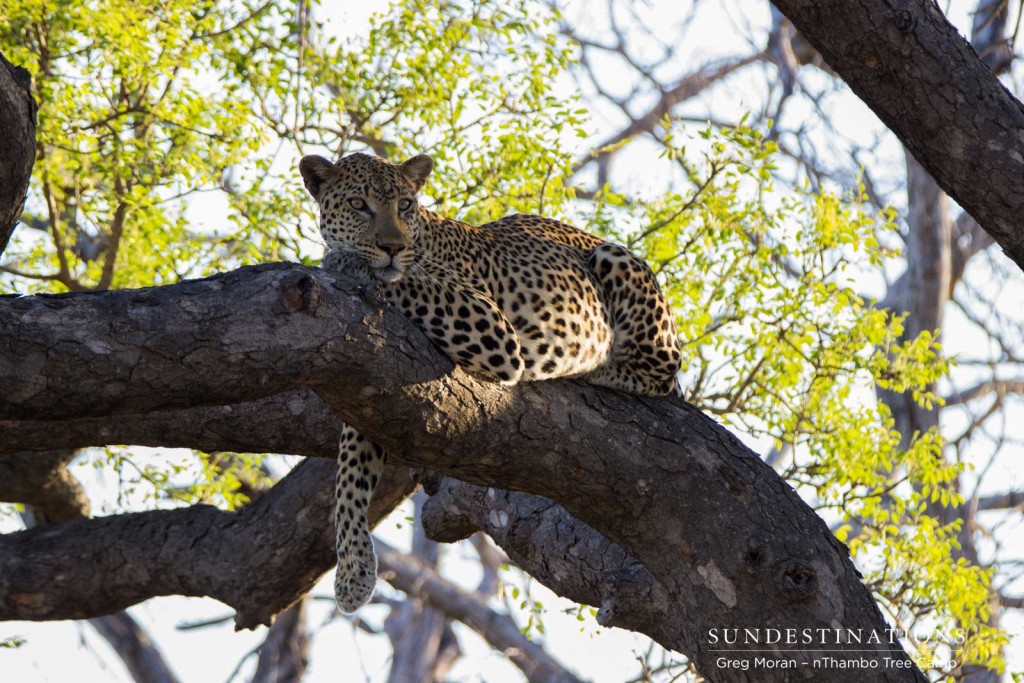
913,576
178,477
137,111
521,600
227,480
145,106
475,93
12,642
778,343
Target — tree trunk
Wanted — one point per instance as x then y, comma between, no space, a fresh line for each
927,84
18,151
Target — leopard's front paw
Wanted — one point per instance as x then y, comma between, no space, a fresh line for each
347,264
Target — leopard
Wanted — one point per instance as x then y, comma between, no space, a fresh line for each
523,298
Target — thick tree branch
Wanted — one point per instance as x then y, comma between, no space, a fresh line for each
61,502
257,560
927,84
729,540
43,481
295,422
563,553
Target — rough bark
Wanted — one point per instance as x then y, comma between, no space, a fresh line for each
43,480
730,541
17,153
61,502
296,422
928,85
423,644
91,567
563,553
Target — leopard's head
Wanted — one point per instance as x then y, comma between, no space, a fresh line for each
368,208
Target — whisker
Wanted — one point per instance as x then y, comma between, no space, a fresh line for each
440,266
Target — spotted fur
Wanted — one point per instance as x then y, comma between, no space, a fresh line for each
522,298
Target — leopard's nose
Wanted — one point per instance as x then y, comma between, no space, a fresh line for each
392,248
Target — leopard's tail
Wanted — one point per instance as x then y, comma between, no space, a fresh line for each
360,463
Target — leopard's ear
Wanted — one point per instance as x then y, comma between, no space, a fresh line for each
315,172
417,169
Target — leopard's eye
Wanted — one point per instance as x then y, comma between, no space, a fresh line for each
405,205
357,204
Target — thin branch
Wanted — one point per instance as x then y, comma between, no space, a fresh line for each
133,645
1014,500
417,578
1000,387
689,86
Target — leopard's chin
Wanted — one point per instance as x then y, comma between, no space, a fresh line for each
388,274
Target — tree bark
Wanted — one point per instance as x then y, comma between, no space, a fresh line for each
18,151
296,422
42,480
140,655
62,501
927,84
561,552
732,543
258,560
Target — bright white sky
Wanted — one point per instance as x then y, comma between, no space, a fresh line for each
65,651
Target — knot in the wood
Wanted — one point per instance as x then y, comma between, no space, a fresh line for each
903,20
756,557
444,521
797,581
303,293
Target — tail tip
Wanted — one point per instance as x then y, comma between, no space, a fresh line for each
352,592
